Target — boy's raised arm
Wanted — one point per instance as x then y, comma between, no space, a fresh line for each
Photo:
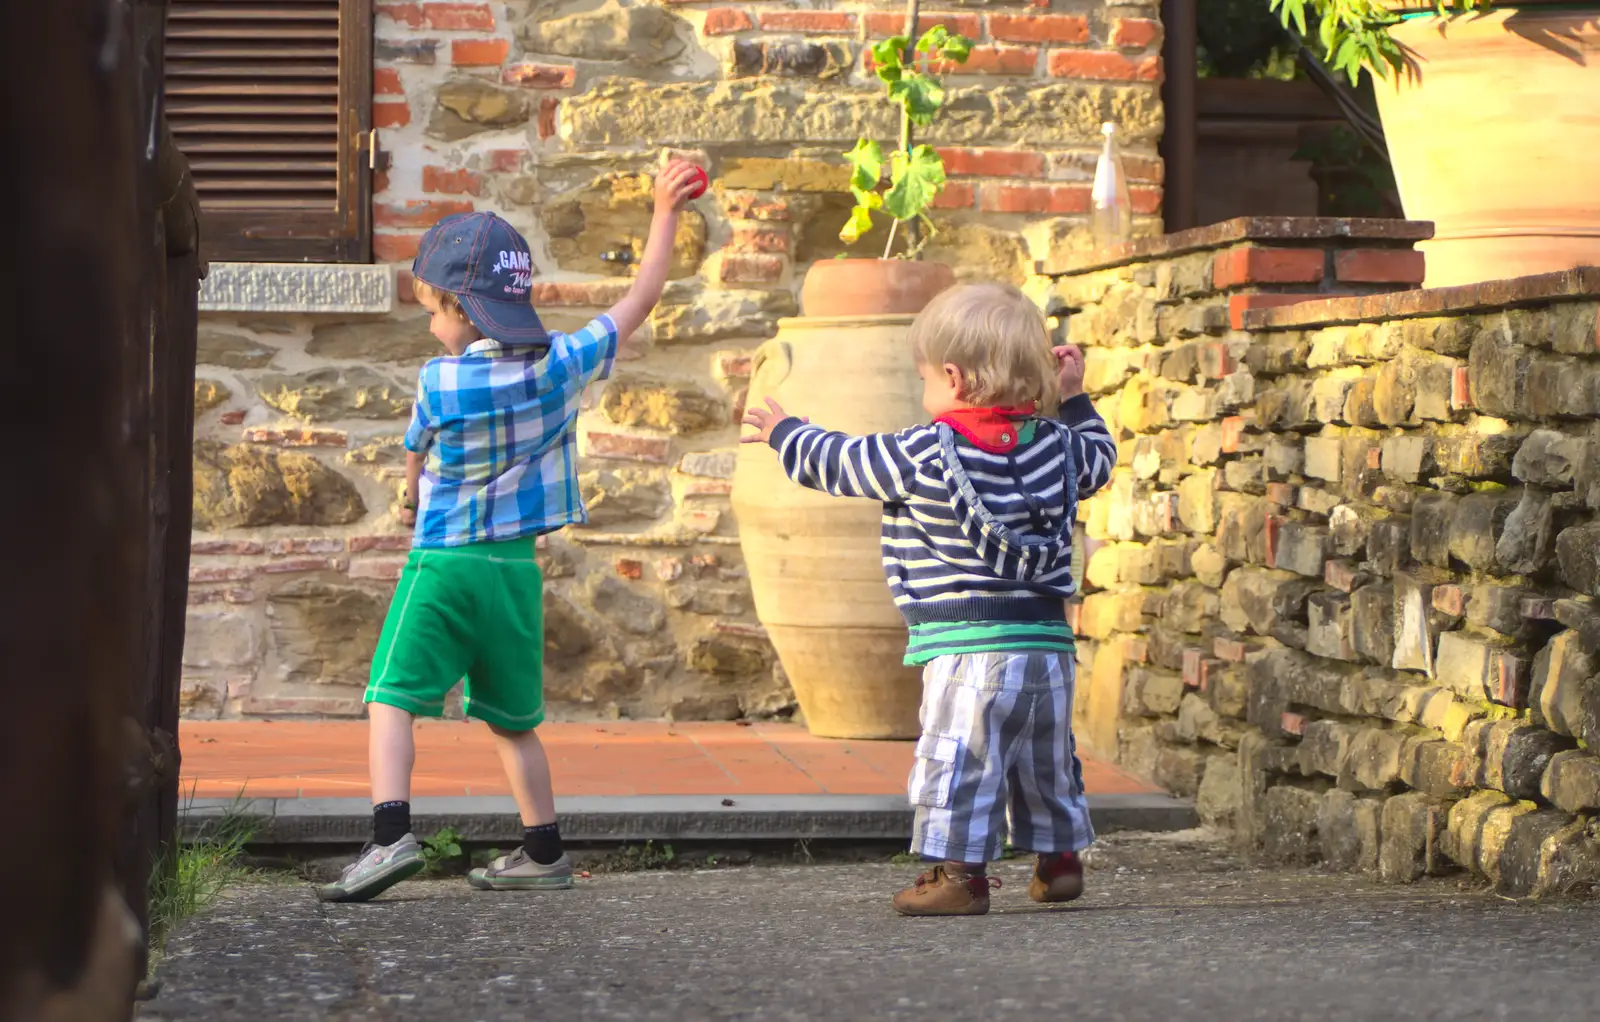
581,358
674,187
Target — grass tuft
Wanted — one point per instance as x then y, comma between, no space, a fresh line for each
189,876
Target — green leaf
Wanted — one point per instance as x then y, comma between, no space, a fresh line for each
1328,33
914,180
866,165
1353,34
871,200
1292,11
1376,16
957,48
1389,52
932,40
888,54
887,59
1356,55
860,223
1348,54
920,95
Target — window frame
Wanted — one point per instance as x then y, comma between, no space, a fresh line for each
310,236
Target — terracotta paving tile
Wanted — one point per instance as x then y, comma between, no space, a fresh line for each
287,759
850,768
1105,779
262,787
755,767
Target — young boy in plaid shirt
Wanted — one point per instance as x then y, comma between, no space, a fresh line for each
490,465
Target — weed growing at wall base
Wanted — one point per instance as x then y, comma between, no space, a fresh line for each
189,876
440,849
638,859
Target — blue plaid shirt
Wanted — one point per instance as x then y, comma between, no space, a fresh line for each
496,426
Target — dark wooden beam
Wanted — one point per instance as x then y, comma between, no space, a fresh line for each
160,400
103,313
1178,101
73,587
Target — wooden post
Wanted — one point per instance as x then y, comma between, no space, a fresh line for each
172,430
160,402
139,843
102,302
73,582
1180,57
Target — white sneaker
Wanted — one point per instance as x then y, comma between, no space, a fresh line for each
517,872
379,868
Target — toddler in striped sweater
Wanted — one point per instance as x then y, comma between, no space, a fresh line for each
978,509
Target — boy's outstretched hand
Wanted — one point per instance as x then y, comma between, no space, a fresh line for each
764,419
1070,376
676,185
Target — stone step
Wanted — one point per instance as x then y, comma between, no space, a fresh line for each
635,818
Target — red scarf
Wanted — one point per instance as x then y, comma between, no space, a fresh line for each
994,430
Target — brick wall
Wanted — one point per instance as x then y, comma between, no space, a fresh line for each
1341,588
500,106
552,115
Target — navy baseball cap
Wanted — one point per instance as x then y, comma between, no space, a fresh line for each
485,263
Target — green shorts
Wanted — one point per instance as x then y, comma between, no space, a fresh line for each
474,611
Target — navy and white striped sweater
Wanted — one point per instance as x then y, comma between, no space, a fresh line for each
961,543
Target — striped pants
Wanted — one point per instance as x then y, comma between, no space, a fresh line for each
997,736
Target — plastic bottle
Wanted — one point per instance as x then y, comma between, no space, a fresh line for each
1111,207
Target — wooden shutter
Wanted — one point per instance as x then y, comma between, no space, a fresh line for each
271,102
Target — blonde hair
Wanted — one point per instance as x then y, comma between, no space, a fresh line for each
447,300
999,341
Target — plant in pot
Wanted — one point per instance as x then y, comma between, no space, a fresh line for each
815,566
900,185
1491,112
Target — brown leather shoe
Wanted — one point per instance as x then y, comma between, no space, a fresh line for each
1056,877
939,893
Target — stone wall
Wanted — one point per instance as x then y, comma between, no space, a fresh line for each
1342,586
553,114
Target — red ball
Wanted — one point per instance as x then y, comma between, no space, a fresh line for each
701,183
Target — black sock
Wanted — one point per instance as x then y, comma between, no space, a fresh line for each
971,869
542,843
391,821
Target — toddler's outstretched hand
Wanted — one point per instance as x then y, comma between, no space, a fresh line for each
763,419
1070,358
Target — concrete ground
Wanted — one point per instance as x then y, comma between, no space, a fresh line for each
1173,927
